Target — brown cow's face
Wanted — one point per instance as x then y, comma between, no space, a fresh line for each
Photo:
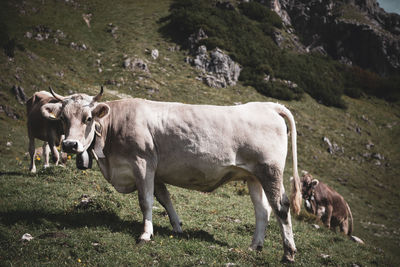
308,185
77,113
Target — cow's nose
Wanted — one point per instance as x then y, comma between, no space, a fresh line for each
69,146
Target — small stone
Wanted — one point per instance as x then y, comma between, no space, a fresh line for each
316,226
127,63
27,237
377,156
357,239
369,145
154,54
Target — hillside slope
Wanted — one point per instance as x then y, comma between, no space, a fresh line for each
51,44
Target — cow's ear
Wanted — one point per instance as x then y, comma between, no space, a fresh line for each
314,183
101,110
51,111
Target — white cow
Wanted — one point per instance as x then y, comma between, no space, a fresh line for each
143,145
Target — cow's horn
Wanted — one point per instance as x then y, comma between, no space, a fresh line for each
56,96
98,97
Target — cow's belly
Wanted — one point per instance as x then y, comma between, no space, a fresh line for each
202,179
119,173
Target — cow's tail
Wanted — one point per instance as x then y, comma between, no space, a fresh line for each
295,198
350,217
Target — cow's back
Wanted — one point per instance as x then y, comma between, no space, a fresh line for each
328,196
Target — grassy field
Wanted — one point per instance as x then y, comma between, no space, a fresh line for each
217,226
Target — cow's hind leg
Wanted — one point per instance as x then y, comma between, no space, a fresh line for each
162,195
271,177
32,167
262,211
55,154
344,226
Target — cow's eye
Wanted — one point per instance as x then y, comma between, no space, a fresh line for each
89,119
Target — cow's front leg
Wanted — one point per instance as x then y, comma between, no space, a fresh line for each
322,214
328,217
46,153
144,176
162,195
32,168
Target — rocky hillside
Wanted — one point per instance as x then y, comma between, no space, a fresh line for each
352,31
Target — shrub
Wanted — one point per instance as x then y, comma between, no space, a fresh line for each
353,92
260,13
317,75
360,80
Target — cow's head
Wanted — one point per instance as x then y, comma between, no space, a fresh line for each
78,114
308,185
307,191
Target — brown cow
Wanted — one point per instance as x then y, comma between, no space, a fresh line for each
50,132
327,204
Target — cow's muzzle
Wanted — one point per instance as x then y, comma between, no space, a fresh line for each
70,146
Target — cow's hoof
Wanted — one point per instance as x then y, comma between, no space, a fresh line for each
141,242
177,231
288,255
256,248
287,259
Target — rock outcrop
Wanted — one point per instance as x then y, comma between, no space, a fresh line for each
135,64
218,69
353,31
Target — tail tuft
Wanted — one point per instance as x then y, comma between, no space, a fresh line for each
350,218
295,198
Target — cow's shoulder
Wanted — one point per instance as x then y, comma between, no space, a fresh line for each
322,193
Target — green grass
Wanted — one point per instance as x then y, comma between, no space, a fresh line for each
217,226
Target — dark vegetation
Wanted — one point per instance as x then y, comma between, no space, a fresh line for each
246,32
